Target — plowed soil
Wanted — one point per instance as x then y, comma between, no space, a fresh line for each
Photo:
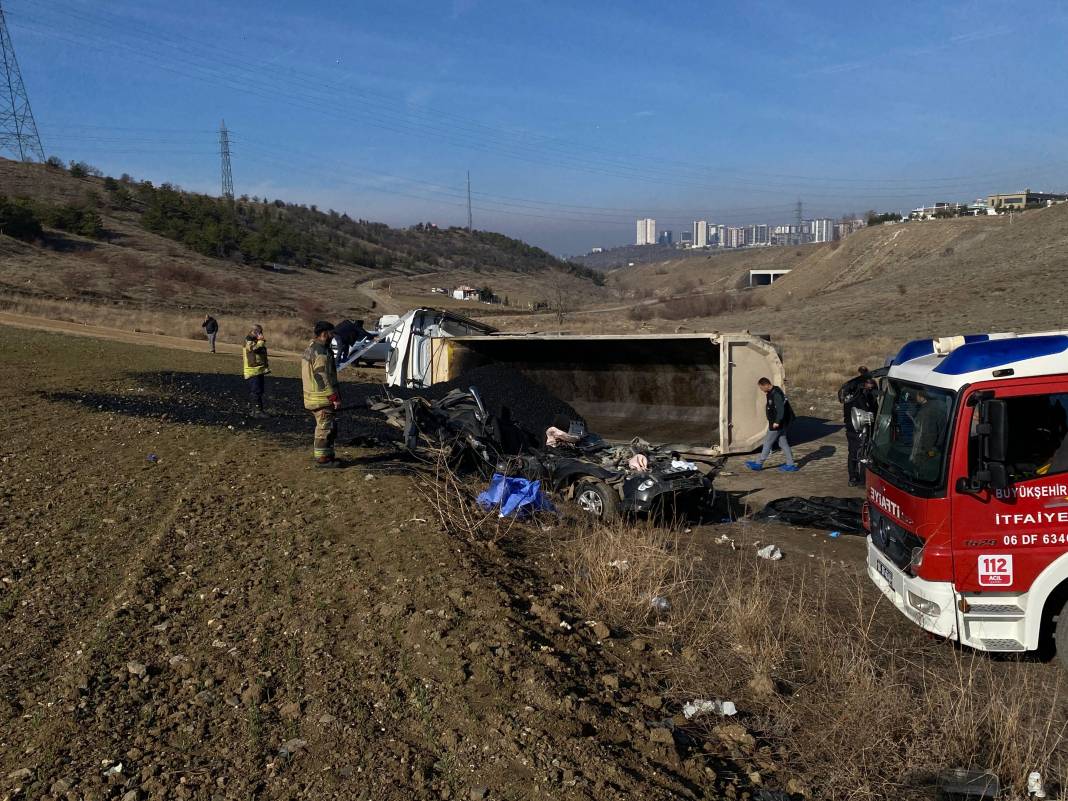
191,610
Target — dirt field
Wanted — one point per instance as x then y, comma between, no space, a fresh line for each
227,622
191,610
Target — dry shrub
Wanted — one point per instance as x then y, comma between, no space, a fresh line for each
76,281
310,310
180,274
623,569
824,365
860,705
453,500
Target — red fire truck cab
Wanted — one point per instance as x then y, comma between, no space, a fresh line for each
967,489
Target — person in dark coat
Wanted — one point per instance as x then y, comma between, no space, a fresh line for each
860,393
780,414
211,330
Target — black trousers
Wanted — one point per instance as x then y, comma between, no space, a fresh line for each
854,440
255,391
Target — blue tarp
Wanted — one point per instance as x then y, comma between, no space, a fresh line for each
515,496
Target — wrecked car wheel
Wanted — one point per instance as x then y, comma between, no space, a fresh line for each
597,499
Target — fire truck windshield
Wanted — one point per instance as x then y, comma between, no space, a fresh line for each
910,432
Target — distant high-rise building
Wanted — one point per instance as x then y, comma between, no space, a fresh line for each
665,238
646,231
822,230
700,233
735,237
685,238
721,235
761,235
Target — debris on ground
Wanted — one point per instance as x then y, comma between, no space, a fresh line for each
964,783
291,747
514,496
770,552
1035,786
826,512
660,604
530,405
704,706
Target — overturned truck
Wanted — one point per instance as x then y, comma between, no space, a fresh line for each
694,392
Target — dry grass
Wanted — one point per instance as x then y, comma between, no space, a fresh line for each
283,333
860,707
852,702
695,306
823,365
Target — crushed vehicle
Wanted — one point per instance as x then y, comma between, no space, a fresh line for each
601,479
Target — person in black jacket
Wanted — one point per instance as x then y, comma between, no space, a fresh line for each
857,393
211,330
780,415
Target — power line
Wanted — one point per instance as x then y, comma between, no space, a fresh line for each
310,93
18,129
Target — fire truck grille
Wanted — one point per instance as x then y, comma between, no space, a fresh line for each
895,542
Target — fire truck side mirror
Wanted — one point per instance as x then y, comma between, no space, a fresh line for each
998,475
993,433
994,428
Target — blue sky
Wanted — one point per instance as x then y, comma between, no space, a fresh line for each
573,118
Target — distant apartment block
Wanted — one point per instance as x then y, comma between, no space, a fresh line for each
700,233
846,227
822,230
758,234
720,235
735,237
666,238
646,232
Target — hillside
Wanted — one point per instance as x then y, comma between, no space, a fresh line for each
705,270
131,244
930,278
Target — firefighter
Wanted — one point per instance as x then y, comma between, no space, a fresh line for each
254,368
780,414
857,393
318,375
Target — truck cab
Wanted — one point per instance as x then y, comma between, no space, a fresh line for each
967,489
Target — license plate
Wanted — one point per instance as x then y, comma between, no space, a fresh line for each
885,572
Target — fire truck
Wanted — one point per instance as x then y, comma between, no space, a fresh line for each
967,489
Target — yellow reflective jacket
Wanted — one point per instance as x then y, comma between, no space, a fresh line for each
318,374
254,357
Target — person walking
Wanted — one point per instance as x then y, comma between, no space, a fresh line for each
857,393
318,375
211,330
780,414
254,368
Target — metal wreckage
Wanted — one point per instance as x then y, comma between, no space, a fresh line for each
695,392
602,479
